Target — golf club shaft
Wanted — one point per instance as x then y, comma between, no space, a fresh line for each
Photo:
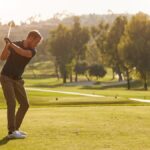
9,31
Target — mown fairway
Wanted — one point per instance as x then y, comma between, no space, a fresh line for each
68,122
82,128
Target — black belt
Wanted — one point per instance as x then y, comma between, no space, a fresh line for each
13,77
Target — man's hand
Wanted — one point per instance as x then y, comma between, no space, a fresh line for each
7,40
5,53
17,49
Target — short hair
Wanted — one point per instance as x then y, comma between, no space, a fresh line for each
34,34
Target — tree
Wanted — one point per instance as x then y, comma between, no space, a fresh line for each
113,39
99,35
97,70
81,68
80,37
135,45
61,49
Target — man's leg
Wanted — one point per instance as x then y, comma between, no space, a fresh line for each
8,90
22,100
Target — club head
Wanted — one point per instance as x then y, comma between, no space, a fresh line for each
10,24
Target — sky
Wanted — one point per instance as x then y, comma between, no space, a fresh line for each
20,10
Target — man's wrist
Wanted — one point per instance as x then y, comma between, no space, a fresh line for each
8,44
7,40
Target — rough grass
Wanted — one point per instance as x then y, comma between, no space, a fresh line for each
78,128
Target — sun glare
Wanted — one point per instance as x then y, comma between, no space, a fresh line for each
20,10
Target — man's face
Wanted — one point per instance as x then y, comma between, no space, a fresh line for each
33,42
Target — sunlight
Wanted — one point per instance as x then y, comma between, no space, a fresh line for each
20,10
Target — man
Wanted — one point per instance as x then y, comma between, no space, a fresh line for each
17,56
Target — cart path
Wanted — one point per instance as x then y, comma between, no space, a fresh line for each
83,94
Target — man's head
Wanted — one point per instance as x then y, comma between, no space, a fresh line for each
33,38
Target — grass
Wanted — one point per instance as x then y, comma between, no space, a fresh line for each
43,82
70,122
45,99
78,128
120,91
116,96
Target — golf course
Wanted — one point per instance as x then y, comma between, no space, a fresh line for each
74,75
60,121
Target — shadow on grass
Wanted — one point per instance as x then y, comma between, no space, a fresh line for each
101,87
89,104
45,86
136,85
137,88
39,76
5,140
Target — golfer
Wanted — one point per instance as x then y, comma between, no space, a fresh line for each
17,56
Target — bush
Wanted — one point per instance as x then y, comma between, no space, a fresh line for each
97,70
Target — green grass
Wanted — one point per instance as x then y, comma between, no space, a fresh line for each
115,95
120,91
43,82
82,128
39,70
45,99
70,122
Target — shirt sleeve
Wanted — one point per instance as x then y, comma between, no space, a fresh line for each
11,49
33,52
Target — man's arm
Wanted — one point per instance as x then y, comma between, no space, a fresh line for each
5,52
19,50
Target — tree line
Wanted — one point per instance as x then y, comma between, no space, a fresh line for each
123,46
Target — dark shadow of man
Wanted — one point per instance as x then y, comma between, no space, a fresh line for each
4,141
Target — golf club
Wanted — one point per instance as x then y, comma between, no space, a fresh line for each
10,24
